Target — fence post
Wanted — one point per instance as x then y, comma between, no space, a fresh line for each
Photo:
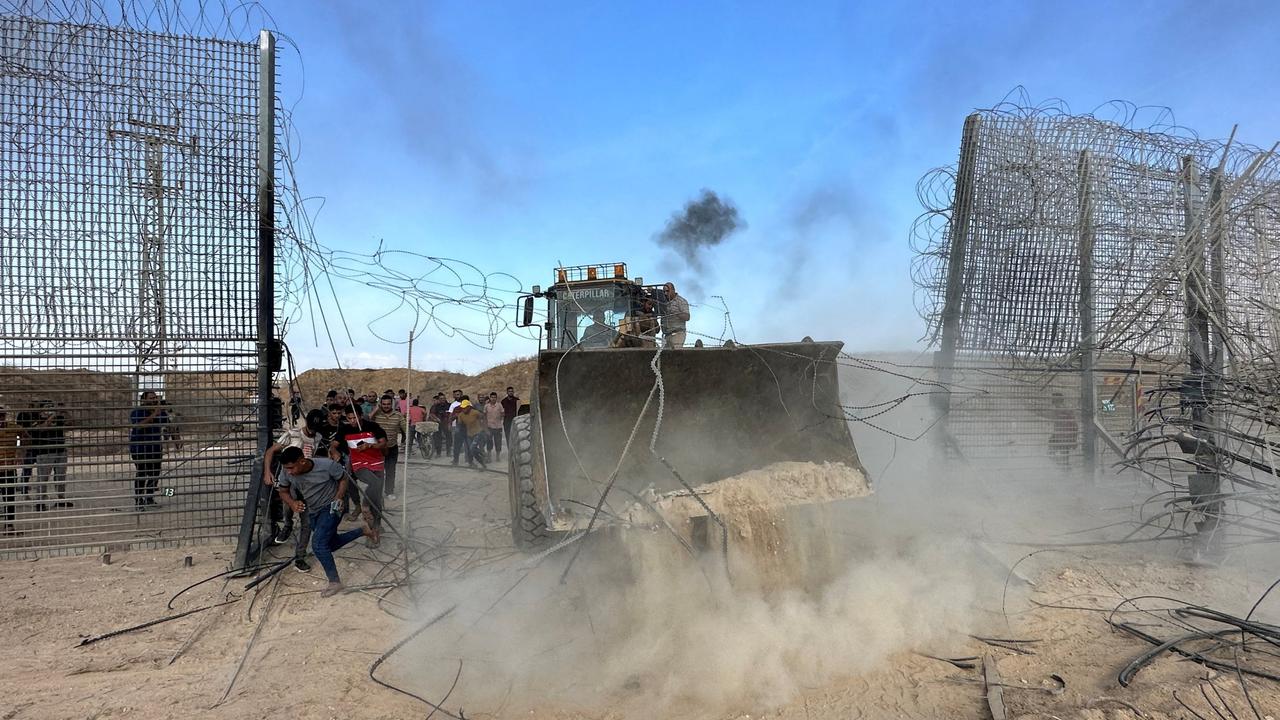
257,494
1218,275
953,298
1198,386
1088,340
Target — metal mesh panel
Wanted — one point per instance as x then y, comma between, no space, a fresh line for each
1007,415
1009,418
1149,193
128,232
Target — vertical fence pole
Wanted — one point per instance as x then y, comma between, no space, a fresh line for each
1218,275
1214,302
953,299
257,493
1088,340
1197,387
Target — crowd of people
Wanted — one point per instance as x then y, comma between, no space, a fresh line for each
341,460
33,454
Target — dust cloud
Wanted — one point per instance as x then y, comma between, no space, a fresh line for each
641,628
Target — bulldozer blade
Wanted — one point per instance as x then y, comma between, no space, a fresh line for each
714,413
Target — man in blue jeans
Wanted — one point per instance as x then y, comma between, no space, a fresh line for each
320,482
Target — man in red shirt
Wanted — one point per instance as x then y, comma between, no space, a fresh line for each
417,414
365,444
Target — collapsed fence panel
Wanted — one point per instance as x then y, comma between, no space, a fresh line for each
129,245
1060,240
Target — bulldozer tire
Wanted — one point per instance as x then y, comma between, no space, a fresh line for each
528,527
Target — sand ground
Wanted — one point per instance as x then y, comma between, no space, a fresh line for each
308,657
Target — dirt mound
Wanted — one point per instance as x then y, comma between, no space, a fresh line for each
778,485
422,383
775,517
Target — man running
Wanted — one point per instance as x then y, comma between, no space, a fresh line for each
307,437
320,482
474,435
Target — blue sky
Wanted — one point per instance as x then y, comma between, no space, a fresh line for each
515,135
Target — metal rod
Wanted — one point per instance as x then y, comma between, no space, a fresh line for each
404,481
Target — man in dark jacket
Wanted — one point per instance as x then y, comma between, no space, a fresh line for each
48,436
149,427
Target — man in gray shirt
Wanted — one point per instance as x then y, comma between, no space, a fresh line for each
675,314
320,482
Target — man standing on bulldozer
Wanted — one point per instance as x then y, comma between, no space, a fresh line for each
675,313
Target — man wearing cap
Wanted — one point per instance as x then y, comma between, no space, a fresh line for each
149,427
472,423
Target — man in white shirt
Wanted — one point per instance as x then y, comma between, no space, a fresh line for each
459,432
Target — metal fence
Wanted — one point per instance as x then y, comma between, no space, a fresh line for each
129,262
1008,415
1062,240
1047,210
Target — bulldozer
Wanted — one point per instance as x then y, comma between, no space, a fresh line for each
616,412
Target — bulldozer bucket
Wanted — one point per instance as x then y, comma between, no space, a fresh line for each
718,412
